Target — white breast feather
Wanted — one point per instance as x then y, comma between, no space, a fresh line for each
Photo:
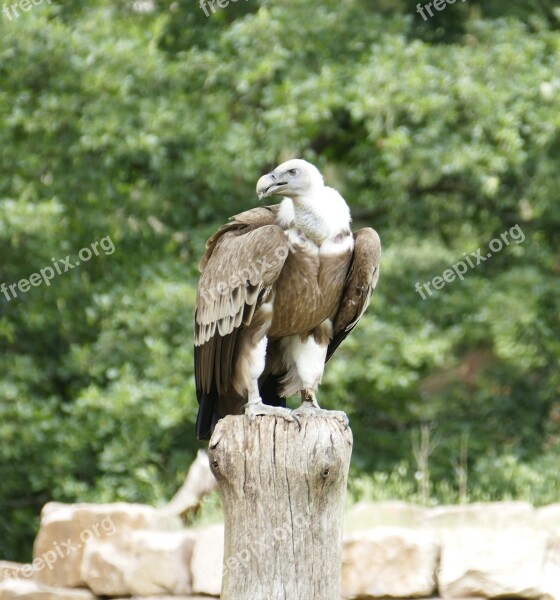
334,211
321,216
286,214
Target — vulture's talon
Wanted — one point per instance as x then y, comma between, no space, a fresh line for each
259,409
308,410
342,418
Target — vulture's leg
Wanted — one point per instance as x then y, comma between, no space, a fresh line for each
310,408
251,363
305,359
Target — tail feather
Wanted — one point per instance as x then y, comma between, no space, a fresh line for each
209,402
207,416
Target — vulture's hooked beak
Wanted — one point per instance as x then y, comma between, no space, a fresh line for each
268,185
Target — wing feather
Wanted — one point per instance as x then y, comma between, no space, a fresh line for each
240,270
243,260
361,280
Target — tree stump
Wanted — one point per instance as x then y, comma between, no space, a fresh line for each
283,493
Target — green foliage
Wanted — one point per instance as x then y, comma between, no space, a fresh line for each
495,478
153,127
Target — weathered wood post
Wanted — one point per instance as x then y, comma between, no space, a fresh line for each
283,493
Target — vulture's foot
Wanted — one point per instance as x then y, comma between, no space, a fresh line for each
310,408
257,408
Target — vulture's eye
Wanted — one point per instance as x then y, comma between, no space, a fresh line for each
293,172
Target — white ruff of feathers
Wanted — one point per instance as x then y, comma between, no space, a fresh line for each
321,214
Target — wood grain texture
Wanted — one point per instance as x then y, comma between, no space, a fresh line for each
283,493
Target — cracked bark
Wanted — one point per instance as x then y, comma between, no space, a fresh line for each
283,495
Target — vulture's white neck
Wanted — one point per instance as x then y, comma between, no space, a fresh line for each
321,214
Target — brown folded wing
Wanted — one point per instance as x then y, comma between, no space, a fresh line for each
243,260
360,282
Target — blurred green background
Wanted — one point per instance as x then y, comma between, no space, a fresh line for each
150,123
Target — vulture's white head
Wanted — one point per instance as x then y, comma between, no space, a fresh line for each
294,179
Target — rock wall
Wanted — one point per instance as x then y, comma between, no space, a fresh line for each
391,550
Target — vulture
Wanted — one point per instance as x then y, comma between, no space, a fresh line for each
280,288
